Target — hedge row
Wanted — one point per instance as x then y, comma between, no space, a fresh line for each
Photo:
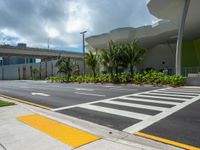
152,77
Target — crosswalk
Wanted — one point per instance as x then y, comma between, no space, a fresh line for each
134,112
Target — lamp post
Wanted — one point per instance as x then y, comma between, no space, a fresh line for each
83,34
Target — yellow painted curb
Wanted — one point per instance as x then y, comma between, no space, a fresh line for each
26,102
177,144
67,134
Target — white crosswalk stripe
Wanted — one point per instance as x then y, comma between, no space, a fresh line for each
137,105
174,93
142,99
116,112
161,97
162,101
177,95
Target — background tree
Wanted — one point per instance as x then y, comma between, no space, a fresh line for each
133,55
64,66
92,61
111,57
35,72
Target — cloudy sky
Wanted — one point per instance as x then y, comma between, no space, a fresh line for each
34,21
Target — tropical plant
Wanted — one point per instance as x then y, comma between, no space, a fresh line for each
111,57
35,71
92,61
64,66
132,55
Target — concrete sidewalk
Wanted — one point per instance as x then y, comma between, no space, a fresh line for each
15,135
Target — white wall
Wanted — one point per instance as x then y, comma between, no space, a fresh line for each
10,72
155,56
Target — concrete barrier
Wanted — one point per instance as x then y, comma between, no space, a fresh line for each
193,79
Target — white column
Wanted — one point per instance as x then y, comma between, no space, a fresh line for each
180,37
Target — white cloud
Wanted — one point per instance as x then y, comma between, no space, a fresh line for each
79,17
52,32
34,21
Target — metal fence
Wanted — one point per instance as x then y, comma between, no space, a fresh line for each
31,71
188,70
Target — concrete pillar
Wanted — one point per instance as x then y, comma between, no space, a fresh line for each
180,37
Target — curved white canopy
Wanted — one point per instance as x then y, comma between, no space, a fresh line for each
164,31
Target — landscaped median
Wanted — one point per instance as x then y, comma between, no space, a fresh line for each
150,77
5,103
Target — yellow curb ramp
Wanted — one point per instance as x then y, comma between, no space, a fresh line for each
66,134
177,144
26,102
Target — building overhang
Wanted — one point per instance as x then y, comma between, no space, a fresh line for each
166,30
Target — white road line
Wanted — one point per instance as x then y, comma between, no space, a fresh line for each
103,100
182,90
83,89
177,95
90,94
139,126
116,112
161,97
151,101
40,94
24,87
110,86
195,90
137,105
189,92
174,92
123,89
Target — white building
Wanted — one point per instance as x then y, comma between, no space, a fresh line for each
160,38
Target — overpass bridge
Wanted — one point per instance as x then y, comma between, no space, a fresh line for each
37,52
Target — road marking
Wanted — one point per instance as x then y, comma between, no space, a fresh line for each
143,124
104,100
66,134
181,145
116,112
185,90
137,105
142,99
110,86
161,97
174,96
26,102
40,94
173,93
90,94
24,87
83,89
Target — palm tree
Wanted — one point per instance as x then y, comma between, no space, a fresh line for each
92,61
133,55
64,66
111,57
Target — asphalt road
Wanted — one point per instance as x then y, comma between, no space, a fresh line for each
61,95
182,126
168,113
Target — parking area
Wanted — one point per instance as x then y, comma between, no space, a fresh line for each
166,114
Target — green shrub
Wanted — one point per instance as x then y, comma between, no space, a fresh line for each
123,78
150,77
176,80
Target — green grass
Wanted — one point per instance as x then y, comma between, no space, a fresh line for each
4,103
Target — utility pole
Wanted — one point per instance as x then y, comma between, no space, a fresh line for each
83,33
48,43
180,37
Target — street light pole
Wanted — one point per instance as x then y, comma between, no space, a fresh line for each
180,37
83,33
